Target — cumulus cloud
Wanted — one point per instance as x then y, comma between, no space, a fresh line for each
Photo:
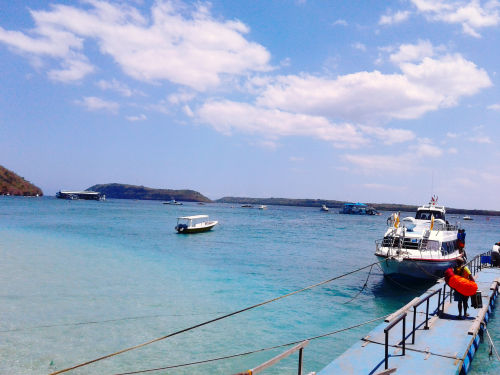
389,136
397,17
495,107
480,139
93,103
183,45
413,52
359,46
431,84
295,158
472,15
340,22
137,118
119,87
225,116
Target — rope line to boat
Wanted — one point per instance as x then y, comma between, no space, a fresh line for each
364,286
492,345
395,282
209,321
254,351
109,320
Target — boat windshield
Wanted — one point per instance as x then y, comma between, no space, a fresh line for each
426,215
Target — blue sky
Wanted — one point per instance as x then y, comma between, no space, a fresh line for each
356,100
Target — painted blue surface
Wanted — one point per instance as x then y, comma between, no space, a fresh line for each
446,340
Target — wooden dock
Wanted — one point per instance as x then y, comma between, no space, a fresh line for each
439,344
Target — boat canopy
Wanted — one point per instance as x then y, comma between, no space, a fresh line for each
355,204
194,217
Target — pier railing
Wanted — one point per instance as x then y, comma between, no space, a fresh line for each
477,262
273,361
386,331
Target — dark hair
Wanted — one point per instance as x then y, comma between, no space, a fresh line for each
460,262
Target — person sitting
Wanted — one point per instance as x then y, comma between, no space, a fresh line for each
462,271
495,255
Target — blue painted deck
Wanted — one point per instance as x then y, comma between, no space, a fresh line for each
447,341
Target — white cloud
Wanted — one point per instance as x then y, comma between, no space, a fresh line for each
183,45
359,46
397,17
452,151
285,62
412,52
119,87
495,107
389,136
224,116
137,118
465,182
471,15
480,139
180,97
294,158
364,96
94,104
187,111
340,22
452,135
427,150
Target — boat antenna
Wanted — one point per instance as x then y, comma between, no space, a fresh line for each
432,184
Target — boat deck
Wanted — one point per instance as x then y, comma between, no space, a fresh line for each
447,347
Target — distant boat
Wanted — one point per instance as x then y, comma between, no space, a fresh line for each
201,203
262,207
466,217
194,224
358,209
247,206
324,208
174,202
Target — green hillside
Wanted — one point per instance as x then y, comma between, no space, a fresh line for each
13,184
123,191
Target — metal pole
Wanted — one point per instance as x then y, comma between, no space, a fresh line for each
414,324
427,316
300,360
404,334
444,296
439,303
387,350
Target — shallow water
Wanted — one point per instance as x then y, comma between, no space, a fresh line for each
120,267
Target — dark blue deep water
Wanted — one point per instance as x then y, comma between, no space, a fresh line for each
121,266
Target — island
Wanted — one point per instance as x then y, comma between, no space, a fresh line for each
13,184
392,207
124,191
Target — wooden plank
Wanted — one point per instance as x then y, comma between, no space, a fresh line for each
494,284
387,372
479,318
402,310
278,358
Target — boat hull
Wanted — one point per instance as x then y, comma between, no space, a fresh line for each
421,269
196,230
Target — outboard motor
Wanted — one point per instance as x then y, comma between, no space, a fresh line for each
181,227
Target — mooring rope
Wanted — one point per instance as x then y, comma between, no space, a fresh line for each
254,351
491,342
364,286
209,321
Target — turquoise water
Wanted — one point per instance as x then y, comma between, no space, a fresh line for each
65,263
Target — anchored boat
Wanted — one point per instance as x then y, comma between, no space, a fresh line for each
174,202
324,208
421,247
358,209
194,224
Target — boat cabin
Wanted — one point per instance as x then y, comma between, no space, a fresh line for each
427,211
358,209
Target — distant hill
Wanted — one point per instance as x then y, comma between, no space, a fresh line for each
338,204
123,191
13,184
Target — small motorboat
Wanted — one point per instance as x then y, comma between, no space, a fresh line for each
467,217
324,208
262,207
247,206
174,202
201,203
194,224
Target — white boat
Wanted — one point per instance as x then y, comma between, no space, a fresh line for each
421,247
466,217
324,208
174,202
247,206
194,224
262,207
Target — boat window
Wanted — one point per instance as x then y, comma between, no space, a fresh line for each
426,215
433,245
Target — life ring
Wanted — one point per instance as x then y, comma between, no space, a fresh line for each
462,285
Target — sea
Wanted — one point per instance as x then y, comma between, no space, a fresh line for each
83,279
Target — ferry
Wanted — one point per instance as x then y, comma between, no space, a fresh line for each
422,247
324,208
85,195
194,224
358,209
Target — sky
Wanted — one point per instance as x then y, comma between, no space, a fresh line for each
381,102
